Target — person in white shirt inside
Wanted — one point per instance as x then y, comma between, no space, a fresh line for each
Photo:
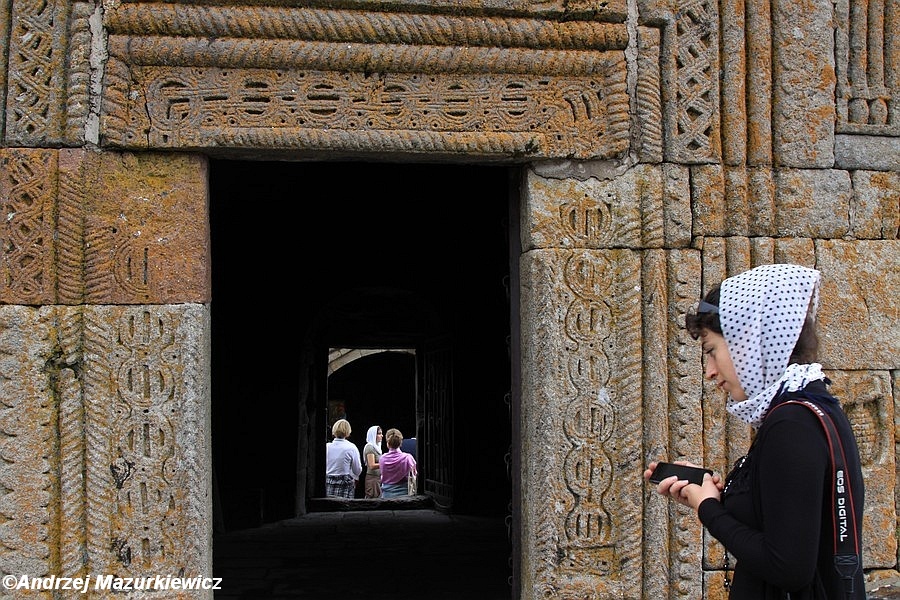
342,464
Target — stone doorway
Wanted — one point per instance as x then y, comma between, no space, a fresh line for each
382,255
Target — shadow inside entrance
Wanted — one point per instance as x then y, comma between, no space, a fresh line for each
380,554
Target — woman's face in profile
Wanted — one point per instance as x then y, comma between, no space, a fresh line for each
719,366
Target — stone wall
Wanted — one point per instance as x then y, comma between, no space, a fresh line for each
663,147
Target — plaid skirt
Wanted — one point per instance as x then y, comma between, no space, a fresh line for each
340,486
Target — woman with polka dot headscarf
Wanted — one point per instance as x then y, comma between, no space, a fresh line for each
776,512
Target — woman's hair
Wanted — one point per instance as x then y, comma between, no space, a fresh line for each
807,348
805,351
394,438
697,322
341,428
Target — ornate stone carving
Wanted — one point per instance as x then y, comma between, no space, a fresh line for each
867,88
309,80
47,98
590,540
28,191
693,121
84,228
146,439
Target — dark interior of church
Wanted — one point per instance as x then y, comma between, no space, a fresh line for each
363,255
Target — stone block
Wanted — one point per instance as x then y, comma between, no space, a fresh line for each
859,310
581,409
594,213
875,205
146,230
736,211
812,203
708,200
867,152
28,501
800,251
676,206
147,436
28,189
761,202
803,114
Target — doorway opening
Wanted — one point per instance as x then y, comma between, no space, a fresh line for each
308,257
372,387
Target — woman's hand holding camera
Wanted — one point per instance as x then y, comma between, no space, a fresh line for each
683,491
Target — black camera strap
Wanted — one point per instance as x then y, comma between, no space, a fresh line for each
846,538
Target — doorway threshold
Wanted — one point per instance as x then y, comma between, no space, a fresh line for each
329,504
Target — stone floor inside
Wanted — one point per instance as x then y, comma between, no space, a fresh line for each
383,551
415,554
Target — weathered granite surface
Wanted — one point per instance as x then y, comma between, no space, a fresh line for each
663,146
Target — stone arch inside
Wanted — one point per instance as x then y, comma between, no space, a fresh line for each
341,357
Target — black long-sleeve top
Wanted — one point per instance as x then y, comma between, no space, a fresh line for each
776,515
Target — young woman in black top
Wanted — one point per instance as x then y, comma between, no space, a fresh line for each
775,512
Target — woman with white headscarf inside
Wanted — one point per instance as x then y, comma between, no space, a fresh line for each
789,517
371,458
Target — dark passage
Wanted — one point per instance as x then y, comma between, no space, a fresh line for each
353,250
367,555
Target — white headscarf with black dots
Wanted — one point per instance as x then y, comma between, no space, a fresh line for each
762,312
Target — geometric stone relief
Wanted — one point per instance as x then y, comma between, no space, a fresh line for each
148,484
867,51
580,300
581,502
867,57
699,119
82,227
648,97
319,110
106,441
48,72
646,207
692,117
28,190
313,80
689,75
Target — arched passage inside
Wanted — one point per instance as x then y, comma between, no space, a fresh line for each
374,374
308,257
